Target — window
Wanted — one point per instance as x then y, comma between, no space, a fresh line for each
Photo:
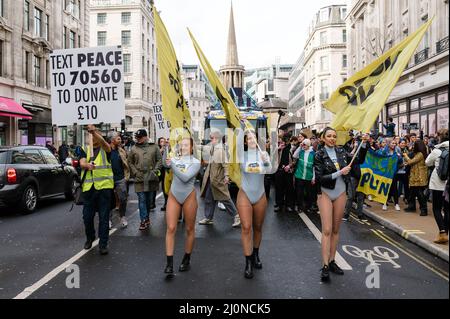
101,38
323,38
344,60
148,70
343,13
428,101
26,15
143,91
324,63
49,157
127,63
127,86
72,40
414,104
126,37
46,30
143,67
37,22
65,38
37,71
402,107
143,41
27,66
148,46
324,15
344,35
101,18
126,17
33,157
47,74
392,110
442,97
324,89
442,118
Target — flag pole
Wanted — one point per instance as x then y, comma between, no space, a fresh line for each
356,153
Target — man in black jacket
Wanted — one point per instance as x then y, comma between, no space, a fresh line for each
351,147
284,178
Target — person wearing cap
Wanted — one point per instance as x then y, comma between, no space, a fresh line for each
97,187
145,163
304,175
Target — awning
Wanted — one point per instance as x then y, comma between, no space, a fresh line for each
11,108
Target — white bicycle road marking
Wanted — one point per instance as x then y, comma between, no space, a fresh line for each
375,256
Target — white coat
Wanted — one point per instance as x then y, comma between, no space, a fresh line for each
436,183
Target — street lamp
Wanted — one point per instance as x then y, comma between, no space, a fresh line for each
280,114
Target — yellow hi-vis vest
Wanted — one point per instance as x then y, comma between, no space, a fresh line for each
102,176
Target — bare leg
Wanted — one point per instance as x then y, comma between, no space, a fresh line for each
326,218
338,213
245,211
259,213
190,213
173,210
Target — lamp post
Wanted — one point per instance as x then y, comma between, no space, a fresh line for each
280,114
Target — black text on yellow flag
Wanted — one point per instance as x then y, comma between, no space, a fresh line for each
229,108
174,105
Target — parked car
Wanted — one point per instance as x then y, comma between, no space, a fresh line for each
31,173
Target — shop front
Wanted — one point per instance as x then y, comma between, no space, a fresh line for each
428,110
39,129
9,111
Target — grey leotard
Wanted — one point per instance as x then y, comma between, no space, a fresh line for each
340,183
185,169
252,174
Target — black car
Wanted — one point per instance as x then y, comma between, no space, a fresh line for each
31,173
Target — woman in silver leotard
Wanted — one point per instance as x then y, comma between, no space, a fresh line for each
251,199
182,196
331,166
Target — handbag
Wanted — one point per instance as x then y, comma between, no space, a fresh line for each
78,193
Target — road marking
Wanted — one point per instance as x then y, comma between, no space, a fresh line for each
364,222
52,274
441,273
316,232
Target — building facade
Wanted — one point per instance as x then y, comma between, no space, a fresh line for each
197,91
268,82
421,94
130,24
325,63
29,31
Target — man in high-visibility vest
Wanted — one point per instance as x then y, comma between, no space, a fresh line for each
97,189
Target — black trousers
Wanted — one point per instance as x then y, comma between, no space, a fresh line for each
284,189
417,191
393,192
438,204
305,194
403,184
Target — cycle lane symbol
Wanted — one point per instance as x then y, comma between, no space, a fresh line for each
375,256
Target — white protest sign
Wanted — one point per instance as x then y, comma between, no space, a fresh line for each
162,126
87,86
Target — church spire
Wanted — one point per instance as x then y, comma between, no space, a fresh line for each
232,53
232,74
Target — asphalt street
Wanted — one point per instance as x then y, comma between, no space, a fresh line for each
34,246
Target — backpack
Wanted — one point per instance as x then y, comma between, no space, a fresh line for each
442,169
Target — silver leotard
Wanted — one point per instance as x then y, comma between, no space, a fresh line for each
253,169
334,194
185,169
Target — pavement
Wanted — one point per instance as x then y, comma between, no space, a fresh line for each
421,230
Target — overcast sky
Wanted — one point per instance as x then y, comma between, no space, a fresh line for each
265,29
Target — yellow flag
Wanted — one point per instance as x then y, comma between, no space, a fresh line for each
174,105
358,102
231,111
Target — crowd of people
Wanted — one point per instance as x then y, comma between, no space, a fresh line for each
311,174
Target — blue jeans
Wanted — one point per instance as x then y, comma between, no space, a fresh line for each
144,199
97,200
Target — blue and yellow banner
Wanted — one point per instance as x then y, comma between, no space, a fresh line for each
377,174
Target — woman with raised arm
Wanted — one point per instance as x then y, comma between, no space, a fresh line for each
251,199
182,196
332,171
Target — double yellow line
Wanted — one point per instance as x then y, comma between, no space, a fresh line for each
440,272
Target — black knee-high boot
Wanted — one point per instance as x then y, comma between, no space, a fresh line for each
248,273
